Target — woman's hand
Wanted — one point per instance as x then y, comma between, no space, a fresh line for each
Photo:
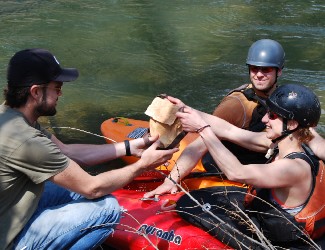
191,119
176,101
167,187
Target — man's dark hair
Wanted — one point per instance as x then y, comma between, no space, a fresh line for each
16,97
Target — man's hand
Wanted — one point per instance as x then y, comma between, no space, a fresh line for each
138,146
153,157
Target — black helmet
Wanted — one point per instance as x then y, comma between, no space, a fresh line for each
295,102
266,53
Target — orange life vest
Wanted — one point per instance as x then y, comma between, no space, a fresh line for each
313,214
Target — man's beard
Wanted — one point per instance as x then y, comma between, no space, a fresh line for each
44,110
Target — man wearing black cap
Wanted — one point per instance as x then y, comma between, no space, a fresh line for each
47,200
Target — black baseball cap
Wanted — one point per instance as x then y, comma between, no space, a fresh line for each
37,66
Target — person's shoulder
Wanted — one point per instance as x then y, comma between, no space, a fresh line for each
236,94
239,91
239,97
240,88
15,127
301,166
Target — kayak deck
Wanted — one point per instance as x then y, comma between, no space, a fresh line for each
146,225
119,129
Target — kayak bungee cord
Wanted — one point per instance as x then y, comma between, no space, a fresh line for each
84,131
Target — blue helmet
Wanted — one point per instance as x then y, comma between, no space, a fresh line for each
266,53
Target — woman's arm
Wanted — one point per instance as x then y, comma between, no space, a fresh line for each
193,119
277,174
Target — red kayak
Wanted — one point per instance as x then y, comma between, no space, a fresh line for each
146,225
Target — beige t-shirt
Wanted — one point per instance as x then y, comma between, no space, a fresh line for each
27,158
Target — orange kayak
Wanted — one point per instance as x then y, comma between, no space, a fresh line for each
119,129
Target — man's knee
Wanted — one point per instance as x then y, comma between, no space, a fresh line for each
112,208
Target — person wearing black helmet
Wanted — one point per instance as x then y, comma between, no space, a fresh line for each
243,107
47,199
285,201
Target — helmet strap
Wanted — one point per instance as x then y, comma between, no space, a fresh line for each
276,76
285,131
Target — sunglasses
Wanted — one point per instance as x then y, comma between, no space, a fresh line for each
57,89
264,70
272,116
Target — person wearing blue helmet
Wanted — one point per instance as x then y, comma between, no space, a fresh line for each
244,107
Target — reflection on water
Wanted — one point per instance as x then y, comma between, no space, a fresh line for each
129,51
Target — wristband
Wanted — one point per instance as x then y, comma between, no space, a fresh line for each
127,148
201,129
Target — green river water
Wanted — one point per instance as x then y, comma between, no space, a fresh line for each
127,52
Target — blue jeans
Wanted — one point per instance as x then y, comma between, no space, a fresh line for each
66,220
